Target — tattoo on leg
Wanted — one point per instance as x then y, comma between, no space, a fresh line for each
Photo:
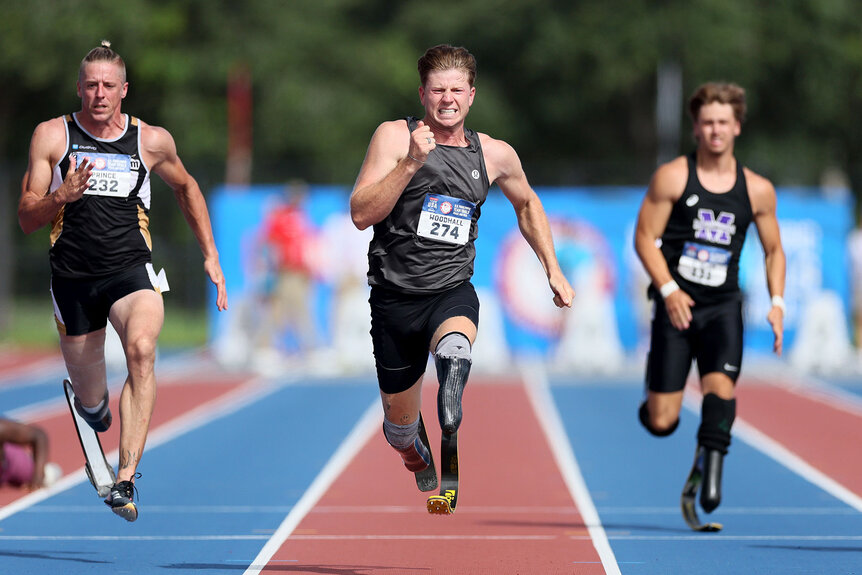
405,419
128,459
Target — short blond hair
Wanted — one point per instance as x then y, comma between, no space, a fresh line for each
103,53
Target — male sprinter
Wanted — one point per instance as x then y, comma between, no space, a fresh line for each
89,177
689,236
422,186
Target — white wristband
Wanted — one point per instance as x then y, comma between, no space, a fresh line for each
668,288
778,301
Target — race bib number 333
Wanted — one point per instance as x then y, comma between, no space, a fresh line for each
446,219
111,175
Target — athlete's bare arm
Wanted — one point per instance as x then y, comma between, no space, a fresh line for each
159,152
394,155
504,168
666,187
32,436
36,206
763,201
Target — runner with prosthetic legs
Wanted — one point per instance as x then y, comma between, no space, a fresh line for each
422,186
690,233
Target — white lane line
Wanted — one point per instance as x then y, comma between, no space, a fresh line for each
775,450
33,373
358,437
236,399
548,416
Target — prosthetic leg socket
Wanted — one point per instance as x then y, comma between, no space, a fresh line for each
452,373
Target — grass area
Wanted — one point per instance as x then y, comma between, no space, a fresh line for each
32,326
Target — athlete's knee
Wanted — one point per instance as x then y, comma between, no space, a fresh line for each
453,361
141,350
658,426
717,416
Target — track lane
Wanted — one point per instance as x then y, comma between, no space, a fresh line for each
515,513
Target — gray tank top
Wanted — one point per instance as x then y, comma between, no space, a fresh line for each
426,243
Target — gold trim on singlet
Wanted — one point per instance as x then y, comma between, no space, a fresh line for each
57,226
144,226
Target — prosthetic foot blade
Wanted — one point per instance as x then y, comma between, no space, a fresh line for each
689,494
446,502
426,480
100,473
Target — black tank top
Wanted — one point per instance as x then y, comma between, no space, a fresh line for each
426,243
704,237
107,230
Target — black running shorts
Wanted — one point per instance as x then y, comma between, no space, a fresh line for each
81,306
714,339
402,326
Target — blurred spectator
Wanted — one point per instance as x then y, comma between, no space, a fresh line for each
287,237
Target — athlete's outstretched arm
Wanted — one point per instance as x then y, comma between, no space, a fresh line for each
664,190
36,206
394,155
763,201
504,169
163,160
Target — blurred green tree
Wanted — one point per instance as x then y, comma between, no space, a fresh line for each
572,85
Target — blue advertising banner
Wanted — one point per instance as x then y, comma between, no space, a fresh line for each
295,269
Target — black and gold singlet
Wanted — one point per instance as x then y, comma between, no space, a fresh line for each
107,230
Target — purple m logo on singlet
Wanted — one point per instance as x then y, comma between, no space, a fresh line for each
714,230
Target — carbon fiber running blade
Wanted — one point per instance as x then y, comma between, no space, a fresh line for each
98,469
445,503
426,480
689,495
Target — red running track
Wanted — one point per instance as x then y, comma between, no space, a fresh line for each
811,424
515,513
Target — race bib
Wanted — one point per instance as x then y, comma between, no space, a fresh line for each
111,175
446,219
704,265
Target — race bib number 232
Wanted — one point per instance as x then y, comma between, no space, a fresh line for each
111,175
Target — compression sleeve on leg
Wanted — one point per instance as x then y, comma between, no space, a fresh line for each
717,416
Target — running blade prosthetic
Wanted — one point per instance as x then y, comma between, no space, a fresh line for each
444,504
426,480
98,469
689,494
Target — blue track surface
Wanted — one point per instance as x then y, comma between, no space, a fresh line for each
211,498
774,521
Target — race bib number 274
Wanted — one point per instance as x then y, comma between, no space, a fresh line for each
446,219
